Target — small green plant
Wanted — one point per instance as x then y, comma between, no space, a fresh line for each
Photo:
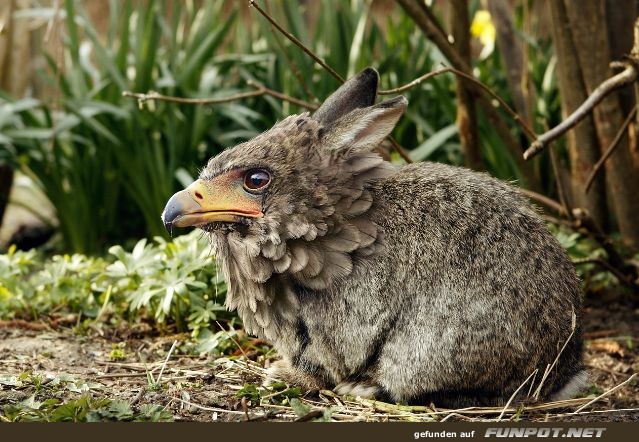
251,392
168,282
118,351
83,409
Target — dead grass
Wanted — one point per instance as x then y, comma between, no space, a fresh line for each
154,371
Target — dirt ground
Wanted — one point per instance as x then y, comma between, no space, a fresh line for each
202,388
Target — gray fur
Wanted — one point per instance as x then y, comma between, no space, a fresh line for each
415,284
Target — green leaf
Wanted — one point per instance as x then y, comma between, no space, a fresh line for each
299,408
434,142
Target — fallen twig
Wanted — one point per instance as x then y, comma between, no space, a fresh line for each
605,394
168,356
512,397
313,414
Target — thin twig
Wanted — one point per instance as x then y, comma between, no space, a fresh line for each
154,96
291,64
281,96
605,394
415,82
474,81
606,265
168,356
298,43
543,199
619,410
551,366
622,131
260,91
627,76
400,150
512,397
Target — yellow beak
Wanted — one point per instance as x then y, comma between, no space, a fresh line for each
206,202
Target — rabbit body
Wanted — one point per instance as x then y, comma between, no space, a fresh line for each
418,283
469,295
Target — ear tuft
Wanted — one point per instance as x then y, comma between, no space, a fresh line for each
359,91
365,128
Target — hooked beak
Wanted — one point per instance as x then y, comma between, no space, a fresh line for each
199,204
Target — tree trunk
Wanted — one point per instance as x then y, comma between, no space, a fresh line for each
466,110
512,54
620,18
583,147
590,30
426,21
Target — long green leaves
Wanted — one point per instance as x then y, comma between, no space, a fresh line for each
109,164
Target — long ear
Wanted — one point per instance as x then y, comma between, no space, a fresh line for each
359,91
364,128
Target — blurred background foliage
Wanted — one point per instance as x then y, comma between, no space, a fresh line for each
96,168
108,164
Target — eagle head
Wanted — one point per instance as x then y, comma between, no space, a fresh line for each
291,207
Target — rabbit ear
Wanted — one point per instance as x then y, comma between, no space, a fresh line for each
359,91
364,128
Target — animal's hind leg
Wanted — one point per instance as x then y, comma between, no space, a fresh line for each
282,370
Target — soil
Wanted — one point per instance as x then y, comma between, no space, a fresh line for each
203,388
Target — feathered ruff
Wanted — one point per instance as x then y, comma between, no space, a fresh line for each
312,244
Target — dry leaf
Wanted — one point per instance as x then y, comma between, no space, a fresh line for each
608,346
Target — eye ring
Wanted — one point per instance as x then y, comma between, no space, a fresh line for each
256,180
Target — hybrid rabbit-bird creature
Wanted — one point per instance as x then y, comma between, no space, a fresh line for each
418,283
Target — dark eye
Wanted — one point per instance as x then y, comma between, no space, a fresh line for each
256,179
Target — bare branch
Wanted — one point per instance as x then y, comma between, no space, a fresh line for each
291,64
415,82
400,150
260,90
281,96
154,96
298,43
427,22
615,142
471,79
606,265
546,201
627,76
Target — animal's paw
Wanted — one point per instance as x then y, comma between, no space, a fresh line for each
282,370
277,372
361,389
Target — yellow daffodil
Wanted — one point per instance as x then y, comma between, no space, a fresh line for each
483,28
